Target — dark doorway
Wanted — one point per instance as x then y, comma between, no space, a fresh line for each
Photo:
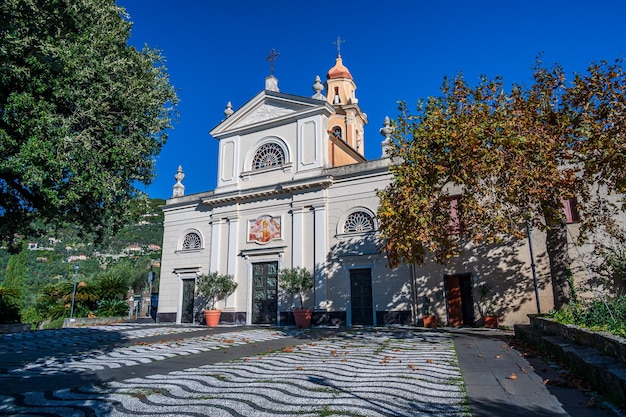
361,297
189,287
264,293
460,300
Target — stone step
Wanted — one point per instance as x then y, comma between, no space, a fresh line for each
605,374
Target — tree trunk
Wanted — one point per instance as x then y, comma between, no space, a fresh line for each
556,246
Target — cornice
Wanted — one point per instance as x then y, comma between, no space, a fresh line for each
259,193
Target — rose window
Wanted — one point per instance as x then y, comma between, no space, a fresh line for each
192,241
358,222
268,155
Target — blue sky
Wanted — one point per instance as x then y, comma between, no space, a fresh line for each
395,50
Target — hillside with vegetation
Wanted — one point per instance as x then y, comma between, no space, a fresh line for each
43,272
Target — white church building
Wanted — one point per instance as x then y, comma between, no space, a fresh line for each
295,190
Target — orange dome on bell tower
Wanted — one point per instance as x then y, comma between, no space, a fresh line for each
339,70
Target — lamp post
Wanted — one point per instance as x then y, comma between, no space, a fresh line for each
150,279
74,290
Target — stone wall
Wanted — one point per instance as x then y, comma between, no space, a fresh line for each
606,343
14,328
597,357
84,321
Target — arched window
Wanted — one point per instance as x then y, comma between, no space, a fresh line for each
268,155
192,241
358,222
337,132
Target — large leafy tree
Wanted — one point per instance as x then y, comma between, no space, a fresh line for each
511,155
15,274
82,115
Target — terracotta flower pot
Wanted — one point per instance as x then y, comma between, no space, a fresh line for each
491,322
212,317
430,321
303,318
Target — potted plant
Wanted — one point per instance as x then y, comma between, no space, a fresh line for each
430,319
214,287
490,319
296,281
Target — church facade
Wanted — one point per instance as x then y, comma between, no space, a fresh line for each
295,190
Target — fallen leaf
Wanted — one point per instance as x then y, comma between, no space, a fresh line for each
298,368
498,356
430,361
512,377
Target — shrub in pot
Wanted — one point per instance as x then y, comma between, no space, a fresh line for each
214,287
296,281
428,315
490,318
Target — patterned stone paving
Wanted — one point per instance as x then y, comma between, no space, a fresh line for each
140,353
360,373
34,341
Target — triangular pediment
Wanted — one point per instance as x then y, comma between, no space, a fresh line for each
268,107
265,111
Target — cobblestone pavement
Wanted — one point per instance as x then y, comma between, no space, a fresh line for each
369,372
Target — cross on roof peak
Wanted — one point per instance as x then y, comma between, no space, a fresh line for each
271,58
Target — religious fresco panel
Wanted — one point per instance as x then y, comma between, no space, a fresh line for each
264,229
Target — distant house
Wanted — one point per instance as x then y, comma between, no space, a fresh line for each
75,258
153,247
133,249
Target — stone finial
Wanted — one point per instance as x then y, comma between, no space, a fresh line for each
229,109
386,131
318,87
179,188
271,84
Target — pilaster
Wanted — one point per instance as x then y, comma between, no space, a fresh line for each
320,252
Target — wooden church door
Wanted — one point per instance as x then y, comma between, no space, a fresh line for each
264,293
459,300
361,297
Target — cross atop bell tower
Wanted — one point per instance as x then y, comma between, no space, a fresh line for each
338,42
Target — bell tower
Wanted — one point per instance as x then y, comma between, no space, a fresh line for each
346,125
